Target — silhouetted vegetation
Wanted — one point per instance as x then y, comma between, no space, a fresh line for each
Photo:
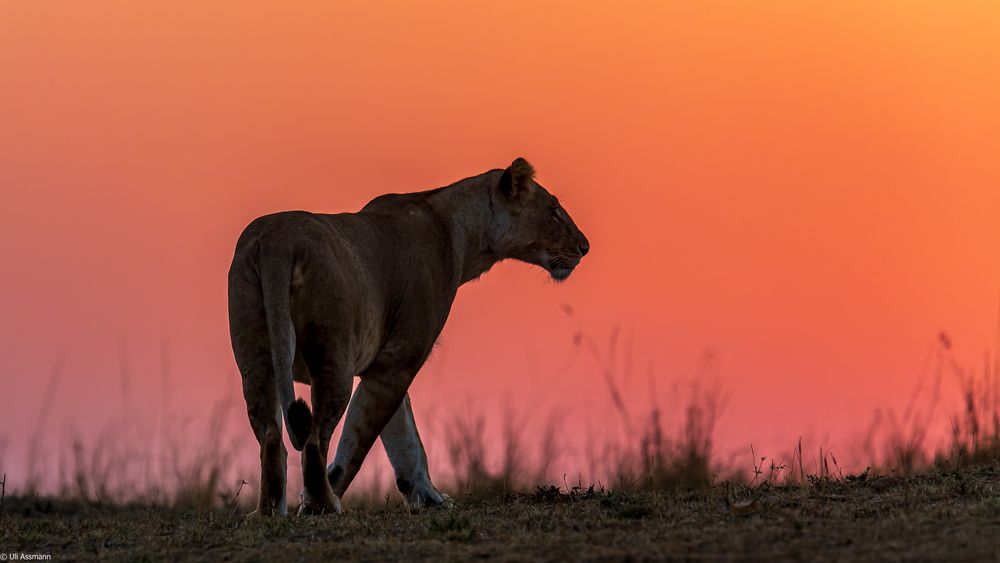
666,492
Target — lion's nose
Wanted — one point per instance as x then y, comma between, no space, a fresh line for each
584,246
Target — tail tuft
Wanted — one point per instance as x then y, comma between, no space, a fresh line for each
299,423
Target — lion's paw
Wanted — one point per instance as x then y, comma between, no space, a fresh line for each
428,498
263,513
315,507
447,503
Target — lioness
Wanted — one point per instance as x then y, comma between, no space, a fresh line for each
321,298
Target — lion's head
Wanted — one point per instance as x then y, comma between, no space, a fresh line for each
532,226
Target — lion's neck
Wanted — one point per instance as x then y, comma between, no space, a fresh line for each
467,209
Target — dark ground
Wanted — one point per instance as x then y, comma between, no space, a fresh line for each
944,516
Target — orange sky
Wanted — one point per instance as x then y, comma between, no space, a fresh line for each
811,190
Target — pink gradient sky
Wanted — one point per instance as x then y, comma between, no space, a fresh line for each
811,191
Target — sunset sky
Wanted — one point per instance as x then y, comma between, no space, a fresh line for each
811,190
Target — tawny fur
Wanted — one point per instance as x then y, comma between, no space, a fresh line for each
321,299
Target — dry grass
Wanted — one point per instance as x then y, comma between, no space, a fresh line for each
975,430
900,443
469,452
648,454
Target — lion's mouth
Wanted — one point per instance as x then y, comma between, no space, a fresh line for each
561,267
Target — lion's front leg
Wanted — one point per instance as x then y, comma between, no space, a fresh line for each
409,460
375,401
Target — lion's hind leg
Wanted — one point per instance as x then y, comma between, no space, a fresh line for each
331,391
265,420
252,350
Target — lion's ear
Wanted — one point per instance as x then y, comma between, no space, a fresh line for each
516,179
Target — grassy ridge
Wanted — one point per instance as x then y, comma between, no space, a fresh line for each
671,499
945,515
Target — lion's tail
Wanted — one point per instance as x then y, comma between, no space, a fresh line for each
276,281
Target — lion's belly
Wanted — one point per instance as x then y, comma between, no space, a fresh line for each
368,336
369,342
